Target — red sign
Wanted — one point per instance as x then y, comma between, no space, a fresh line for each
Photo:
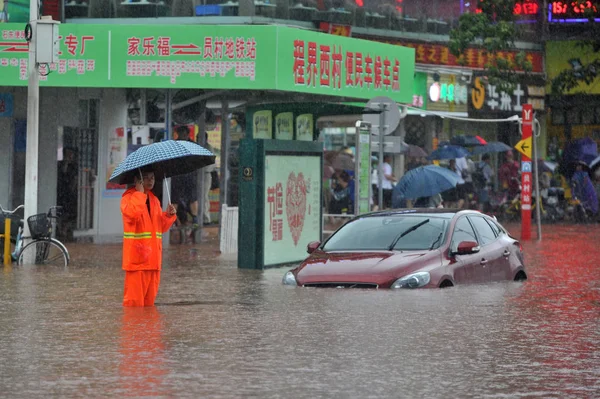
275,200
335,29
526,177
439,54
524,7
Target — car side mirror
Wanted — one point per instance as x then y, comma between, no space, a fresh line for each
312,246
467,248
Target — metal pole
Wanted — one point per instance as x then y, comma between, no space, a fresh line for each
33,121
224,167
166,198
538,199
357,165
382,107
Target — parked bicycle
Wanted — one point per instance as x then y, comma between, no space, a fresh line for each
39,248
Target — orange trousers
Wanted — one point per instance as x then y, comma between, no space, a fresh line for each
141,287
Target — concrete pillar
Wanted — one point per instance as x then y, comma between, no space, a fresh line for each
246,8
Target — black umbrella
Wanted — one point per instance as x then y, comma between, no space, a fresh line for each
168,158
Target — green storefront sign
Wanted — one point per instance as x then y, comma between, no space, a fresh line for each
221,57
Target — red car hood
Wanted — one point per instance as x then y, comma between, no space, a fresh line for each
378,267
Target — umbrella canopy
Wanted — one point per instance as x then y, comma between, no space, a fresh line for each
467,141
546,166
577,152
168,158
595,164
492,146
412,151
449,152
343,161
425,181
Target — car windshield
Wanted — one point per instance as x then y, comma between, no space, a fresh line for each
380,232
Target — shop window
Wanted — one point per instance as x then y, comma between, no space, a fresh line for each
558,116
573,116
587,116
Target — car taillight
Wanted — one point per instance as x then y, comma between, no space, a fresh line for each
517,243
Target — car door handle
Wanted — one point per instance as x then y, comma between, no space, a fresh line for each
506,253
483,262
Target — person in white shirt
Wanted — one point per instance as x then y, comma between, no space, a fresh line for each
387,181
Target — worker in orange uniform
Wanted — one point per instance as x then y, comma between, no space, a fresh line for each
143,225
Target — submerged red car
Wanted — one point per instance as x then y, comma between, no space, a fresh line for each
412,248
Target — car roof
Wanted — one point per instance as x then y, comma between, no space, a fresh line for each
441,212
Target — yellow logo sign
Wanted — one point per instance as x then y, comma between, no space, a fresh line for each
478,94
524,147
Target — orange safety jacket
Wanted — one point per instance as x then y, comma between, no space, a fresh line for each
142,231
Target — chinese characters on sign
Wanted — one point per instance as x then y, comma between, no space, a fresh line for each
320,65
219,56
72,45
439,54
292,205
275,201
485,99
523,7
573,11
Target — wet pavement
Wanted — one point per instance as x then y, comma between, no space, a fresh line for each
222,332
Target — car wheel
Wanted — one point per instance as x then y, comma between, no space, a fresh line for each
446,284
521,276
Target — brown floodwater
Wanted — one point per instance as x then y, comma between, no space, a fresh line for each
218,331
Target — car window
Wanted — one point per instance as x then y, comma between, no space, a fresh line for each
485,232
463,231
495,227
379,232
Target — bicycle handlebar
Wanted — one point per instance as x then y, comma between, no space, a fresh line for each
7,212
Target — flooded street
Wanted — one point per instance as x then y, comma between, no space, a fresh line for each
222,332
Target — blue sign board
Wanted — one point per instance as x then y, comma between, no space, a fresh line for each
525,166
6,105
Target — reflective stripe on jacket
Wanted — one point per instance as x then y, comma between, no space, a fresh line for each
142,231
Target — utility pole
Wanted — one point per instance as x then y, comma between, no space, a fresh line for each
33,118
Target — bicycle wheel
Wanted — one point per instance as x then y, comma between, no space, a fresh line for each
43,252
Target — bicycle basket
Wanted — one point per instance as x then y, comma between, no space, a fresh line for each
39,226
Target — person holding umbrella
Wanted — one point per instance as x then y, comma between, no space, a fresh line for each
144,222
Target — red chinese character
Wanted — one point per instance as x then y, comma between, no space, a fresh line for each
396,76
208,47
219,47
277,229
134,46
324,66
336,73
71,42
229,48
148,46
239,48
358,70
83,40
368,70
251,48
378,72
299,62
349,69
312,63
386,73
271,202
164,46
278,199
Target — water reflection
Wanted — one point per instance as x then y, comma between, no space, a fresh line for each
222,332
142,366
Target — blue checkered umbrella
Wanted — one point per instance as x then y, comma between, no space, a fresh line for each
168,158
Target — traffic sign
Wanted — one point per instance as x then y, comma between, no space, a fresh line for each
524,147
